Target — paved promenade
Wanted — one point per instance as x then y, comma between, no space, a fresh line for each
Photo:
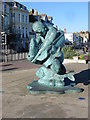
19,103
18,65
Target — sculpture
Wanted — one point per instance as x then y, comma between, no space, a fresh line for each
46,49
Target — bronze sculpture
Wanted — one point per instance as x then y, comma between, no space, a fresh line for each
46,49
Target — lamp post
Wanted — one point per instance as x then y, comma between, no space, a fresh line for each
2,22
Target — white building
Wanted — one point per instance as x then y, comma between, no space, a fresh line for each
85,40
70,38
0,16
4,17
15,20
19,19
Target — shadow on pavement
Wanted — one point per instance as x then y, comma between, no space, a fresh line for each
9,69
7,65
83,77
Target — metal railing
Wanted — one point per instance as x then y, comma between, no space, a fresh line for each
11,51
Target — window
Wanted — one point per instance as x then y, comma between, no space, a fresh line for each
18,5
5,21
26,19
14,29
12,15
22,18
26,33
5,8
23,32
19,17
25,8
11,3
19,31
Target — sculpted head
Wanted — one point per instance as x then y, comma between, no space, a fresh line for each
38,27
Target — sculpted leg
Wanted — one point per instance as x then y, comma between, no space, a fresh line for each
56,66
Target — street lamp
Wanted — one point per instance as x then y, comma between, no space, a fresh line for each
2,22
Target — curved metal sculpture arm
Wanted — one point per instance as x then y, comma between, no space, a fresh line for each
51,34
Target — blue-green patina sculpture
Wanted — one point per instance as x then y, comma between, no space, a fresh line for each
46,49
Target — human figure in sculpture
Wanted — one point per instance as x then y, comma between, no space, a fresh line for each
45,34
48,41
48,33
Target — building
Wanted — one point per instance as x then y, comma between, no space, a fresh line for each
15,22
35,16
19,19
4,17
0,16
46,19
64,30
50,18
15,18
41,17
0,19
84,36
70,38
73,37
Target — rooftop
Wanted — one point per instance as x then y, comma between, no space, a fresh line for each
49,17
42,15
32,18
17,4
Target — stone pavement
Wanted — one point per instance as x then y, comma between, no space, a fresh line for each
19,103
18,65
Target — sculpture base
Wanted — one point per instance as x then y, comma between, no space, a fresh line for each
36,87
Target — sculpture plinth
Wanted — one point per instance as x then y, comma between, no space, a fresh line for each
46,49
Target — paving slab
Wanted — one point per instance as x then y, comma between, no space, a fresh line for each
17,65
17,102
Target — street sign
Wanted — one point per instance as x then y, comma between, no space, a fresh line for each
4,39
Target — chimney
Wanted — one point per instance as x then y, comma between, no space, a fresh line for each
64,30
38,13
31,11
35,12
56,27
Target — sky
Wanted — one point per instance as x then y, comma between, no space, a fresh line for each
70,15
